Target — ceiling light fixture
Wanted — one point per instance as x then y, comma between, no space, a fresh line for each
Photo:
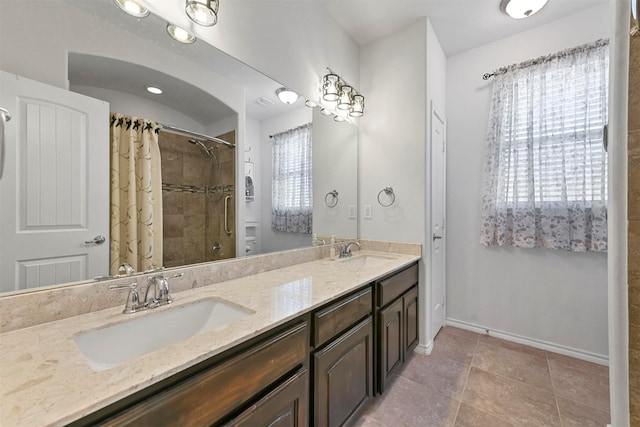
180,35
132,8
203,12
287,96
520,9
154,90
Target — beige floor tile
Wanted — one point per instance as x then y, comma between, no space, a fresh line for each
462,333
409,404
440,372
368,422
576,414
471,417
513,401
455,346
487,339
573,381
529,368
581,365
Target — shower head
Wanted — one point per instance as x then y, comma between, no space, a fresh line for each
204,148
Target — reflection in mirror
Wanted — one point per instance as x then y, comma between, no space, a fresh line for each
89,59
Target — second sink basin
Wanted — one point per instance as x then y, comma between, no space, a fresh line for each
368,260
107,347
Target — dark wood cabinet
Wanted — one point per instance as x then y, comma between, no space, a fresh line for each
343,376
286,406
397,318
391,342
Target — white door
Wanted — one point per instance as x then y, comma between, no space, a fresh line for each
437,255
54,193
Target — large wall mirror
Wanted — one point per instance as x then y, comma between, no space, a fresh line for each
74,78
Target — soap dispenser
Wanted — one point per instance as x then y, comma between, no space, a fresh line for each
332,248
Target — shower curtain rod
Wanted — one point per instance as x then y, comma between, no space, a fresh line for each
186,132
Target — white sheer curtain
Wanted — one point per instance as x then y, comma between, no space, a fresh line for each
546,170
292,199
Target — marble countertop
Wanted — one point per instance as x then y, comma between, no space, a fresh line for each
45,380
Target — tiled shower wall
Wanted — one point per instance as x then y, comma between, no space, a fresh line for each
192,220
634,229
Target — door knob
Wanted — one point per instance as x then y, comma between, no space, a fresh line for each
436,237
98,240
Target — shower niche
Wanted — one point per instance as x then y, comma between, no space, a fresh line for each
198,199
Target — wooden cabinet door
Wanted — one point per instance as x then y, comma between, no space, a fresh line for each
286,406
391,343
343,376
410,302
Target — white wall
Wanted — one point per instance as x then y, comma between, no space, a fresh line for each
272,240
335,156
545,295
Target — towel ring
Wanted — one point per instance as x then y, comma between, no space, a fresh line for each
333,193
389,192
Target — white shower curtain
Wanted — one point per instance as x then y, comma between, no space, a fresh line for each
136,194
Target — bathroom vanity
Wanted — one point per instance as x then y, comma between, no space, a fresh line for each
319,340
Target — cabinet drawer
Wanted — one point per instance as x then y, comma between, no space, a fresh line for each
340,316
394,286
286,406
207,397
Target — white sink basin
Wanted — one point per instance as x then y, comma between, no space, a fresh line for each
368,260
107,347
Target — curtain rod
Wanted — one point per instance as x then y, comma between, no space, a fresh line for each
186,132
306,125
546,58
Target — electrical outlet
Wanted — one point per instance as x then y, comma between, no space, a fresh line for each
367,212
352,211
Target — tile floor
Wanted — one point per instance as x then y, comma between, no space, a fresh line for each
476,381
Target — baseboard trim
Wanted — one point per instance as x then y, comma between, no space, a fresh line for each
531,342
424,348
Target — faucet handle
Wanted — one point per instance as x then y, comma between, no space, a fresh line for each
133,300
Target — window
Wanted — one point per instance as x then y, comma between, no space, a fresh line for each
546,169
292,199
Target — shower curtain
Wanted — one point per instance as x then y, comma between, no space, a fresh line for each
136,194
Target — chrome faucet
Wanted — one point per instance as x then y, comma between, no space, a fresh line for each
158,290
133,299
157,294
126,269
345,252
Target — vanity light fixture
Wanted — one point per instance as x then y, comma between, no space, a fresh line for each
180,35
311,104
331,87
337,118
325,112
286,95
132,8
345,100
335,89
203,12
520,9
154,90
357,106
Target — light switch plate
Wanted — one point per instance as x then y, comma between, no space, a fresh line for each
367,212
352,211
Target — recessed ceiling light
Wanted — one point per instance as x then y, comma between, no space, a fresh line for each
154,90
180,35
520,9
132,8
287,96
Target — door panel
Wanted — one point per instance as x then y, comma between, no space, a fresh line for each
391,347
57,148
